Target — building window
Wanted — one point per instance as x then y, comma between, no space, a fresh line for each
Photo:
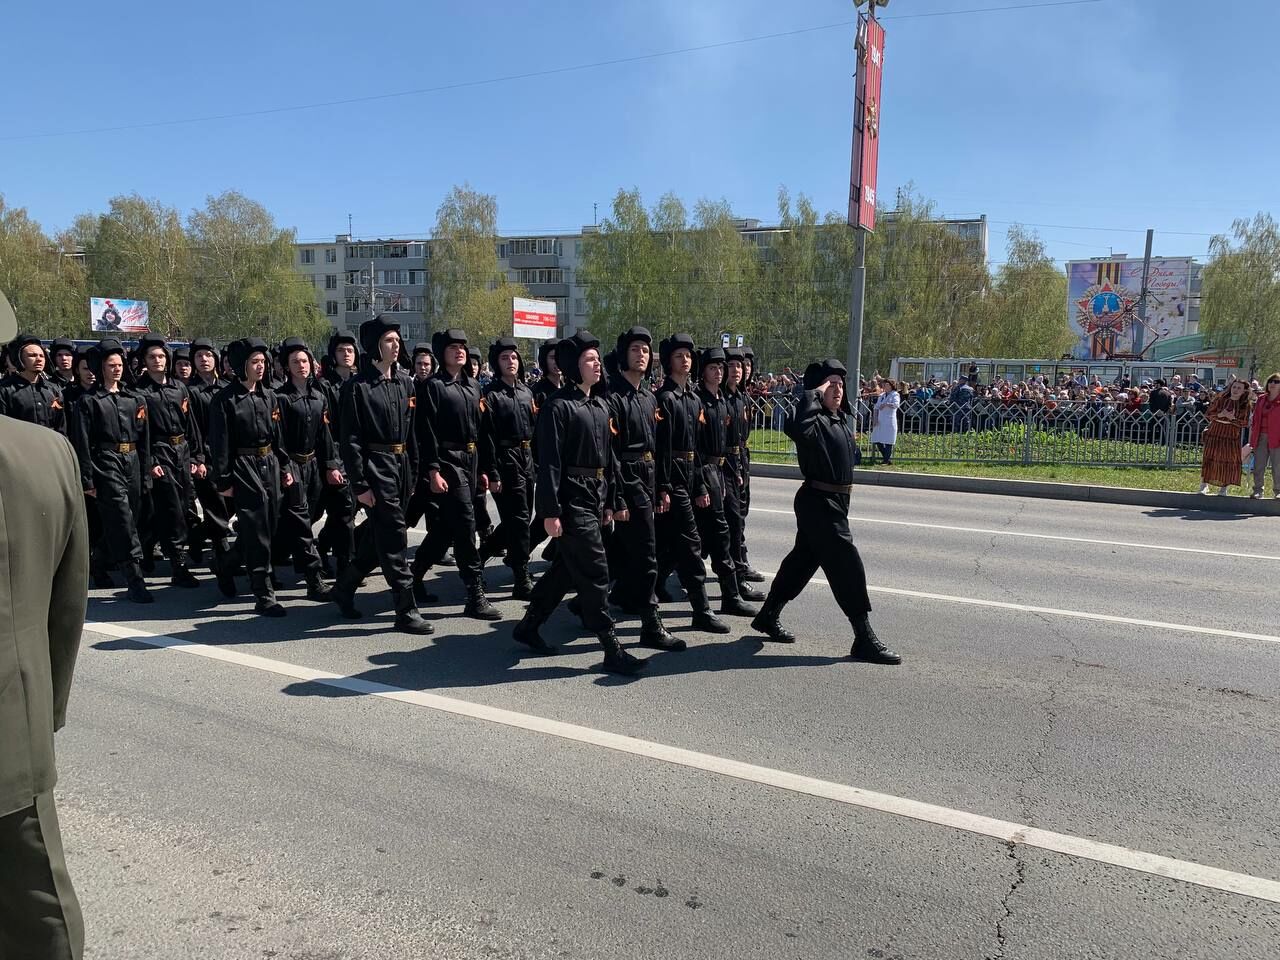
331,255
416,249
308,256
577,248
331,281
580,307
353,304
331,308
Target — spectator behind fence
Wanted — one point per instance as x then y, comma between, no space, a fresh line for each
1228,415
884,421
1264,438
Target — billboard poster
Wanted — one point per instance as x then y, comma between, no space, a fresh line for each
865,162
1102,305
118,316
534,319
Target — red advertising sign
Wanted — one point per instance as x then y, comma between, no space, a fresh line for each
534,319
866,124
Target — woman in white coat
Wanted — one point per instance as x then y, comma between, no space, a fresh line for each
884,421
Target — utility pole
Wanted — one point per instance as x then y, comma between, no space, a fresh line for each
1140,331
371,294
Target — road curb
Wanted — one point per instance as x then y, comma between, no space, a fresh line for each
1044,490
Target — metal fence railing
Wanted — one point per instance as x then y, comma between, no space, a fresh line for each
1089,433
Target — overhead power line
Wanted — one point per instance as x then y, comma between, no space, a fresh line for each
487,81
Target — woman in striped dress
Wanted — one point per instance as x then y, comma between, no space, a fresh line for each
1228,415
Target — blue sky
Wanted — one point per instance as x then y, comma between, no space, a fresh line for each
1116,114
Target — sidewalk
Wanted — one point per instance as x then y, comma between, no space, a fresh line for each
1044,490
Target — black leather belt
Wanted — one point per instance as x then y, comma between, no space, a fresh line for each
597,472
396,448
686,455
262,451
125,447
468,447
177,439
631,456
518,444
842,488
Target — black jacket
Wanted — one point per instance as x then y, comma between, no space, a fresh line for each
305,423
679,410
449,429
507,418
826,444
40,402
100,422
576,473
633,423
377,410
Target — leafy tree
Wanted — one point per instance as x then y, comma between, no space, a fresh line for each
1240,295
43,280
1023,314
468,289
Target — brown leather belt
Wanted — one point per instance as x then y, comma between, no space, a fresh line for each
843,488
596,472
685,455
177,439
521,444
396,448
126,447
468,447
302,458
263,451
633,456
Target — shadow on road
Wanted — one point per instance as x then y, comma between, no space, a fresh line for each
1173,513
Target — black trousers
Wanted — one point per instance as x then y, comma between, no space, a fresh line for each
39,915
299,512
735,515
255,494
579,565
515,508
384,538
338,535
713,525
453,524
633,560
746,499
167,517
215,521
117,479
823,540
680,547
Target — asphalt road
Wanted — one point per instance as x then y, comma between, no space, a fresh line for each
278,794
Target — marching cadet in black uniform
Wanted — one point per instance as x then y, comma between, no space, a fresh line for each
27,393
313,461
480,505
448,440
715,436
248,463
337,536
547,386
576,492
633,546
506,433
682,488
380,450
173,435
423,362
214,526
747,573
737,464
62,355
109,433
824,432
99,565
182,364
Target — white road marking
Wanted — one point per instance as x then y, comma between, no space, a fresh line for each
1056,612
1186,871
1042,536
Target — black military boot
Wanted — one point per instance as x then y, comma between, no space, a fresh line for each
867,646
522,589
748,574
526,632
343,593
731,598
767,622
138,591
265,594
617,660
703,618
316,588
478,606
102,579
654,633
223,565
276,582
181,575
408,619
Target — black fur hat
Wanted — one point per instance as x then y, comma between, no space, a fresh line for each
500,346
628,337
239,352
677,341
570,349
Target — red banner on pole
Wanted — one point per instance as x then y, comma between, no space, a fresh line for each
866,125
